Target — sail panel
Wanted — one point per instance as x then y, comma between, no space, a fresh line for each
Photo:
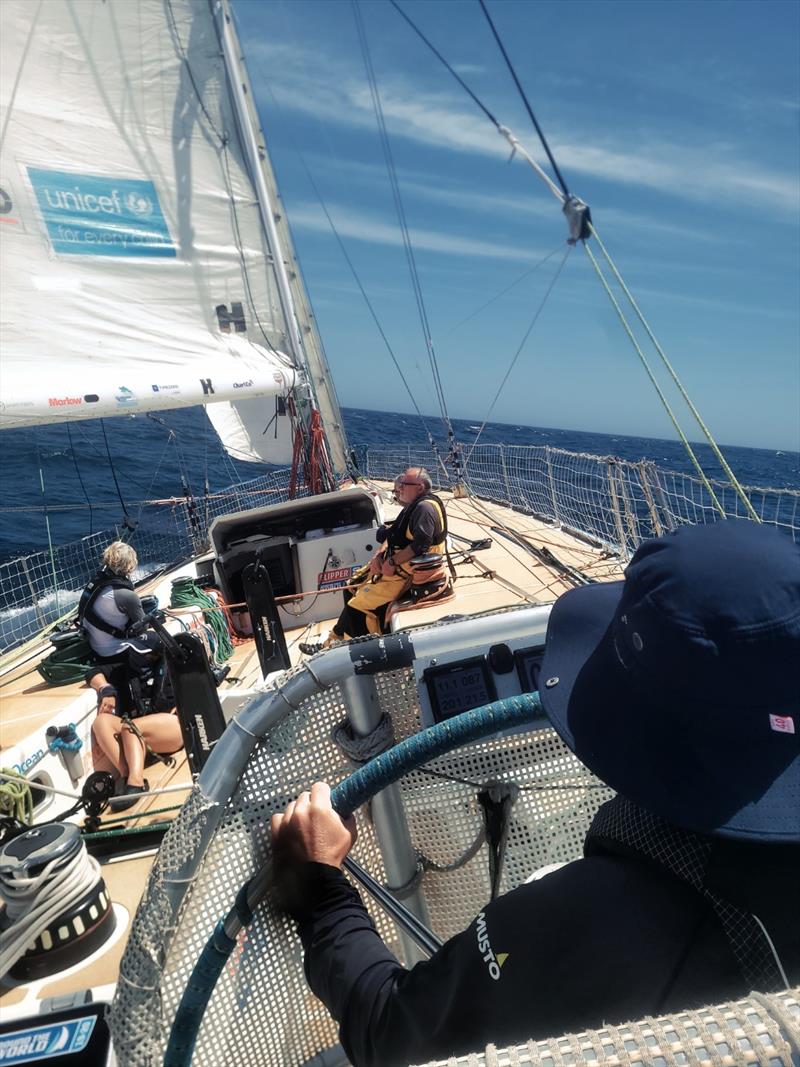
61,396
132,249
253,431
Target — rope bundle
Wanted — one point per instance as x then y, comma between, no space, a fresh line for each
16,799
33,903
187,593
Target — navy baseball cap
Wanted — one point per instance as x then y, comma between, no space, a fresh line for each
680,687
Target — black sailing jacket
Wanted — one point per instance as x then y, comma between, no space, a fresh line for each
605,939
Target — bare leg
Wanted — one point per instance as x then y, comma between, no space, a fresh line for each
161,731
134,750
107,751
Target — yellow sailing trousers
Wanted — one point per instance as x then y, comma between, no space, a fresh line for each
373,595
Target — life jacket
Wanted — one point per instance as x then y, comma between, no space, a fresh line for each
104,579
399,530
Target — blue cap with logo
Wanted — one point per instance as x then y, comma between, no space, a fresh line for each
680,687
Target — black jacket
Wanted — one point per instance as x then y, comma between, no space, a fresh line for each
605,939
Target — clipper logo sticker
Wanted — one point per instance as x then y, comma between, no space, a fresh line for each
94,215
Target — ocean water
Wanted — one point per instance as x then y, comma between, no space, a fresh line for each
154,457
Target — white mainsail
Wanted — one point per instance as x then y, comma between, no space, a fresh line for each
135,271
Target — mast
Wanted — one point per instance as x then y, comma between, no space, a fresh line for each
302,333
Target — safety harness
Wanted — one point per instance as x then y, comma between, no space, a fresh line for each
398,531
104,579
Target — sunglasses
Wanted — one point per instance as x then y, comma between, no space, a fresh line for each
400,482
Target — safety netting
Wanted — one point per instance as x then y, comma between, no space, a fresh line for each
614,502
262,1012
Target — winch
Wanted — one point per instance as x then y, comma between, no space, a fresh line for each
57,908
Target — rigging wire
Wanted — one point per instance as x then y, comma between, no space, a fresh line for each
363,292
673,374
507,289
47,526
284,358
654,383
127,521
566,197
18,77
80,479
511,366
401,216
525,101
171,437
502,130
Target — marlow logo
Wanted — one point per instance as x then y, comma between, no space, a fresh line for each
493,962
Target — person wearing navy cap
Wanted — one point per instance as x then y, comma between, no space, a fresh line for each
680,688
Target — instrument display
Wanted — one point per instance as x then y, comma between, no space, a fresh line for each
529,662
459,686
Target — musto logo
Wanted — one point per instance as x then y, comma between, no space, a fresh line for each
93,215
492,961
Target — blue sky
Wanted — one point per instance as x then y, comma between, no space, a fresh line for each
676,121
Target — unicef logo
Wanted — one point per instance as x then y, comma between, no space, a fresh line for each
138,204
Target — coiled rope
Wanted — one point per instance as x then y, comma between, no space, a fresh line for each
16,799
33,903
187,593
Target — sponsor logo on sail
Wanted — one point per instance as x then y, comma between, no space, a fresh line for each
96,215
138,204
164,388
243,385
64,401
125,398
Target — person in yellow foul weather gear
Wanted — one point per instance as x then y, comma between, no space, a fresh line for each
420,529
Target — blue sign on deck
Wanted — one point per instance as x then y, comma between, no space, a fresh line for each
95,215
41,1042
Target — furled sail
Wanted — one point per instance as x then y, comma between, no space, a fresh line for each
135,270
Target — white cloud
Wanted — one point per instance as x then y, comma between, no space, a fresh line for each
313,84
424,185
363,227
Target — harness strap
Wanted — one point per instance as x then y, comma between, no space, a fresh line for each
168,761
86,609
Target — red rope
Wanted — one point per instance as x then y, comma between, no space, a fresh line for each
317,471
296,455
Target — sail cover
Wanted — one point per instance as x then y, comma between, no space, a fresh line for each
135,272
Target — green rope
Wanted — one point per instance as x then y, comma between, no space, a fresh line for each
16,798
186,593
720,457
655,384
126,831
117,822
